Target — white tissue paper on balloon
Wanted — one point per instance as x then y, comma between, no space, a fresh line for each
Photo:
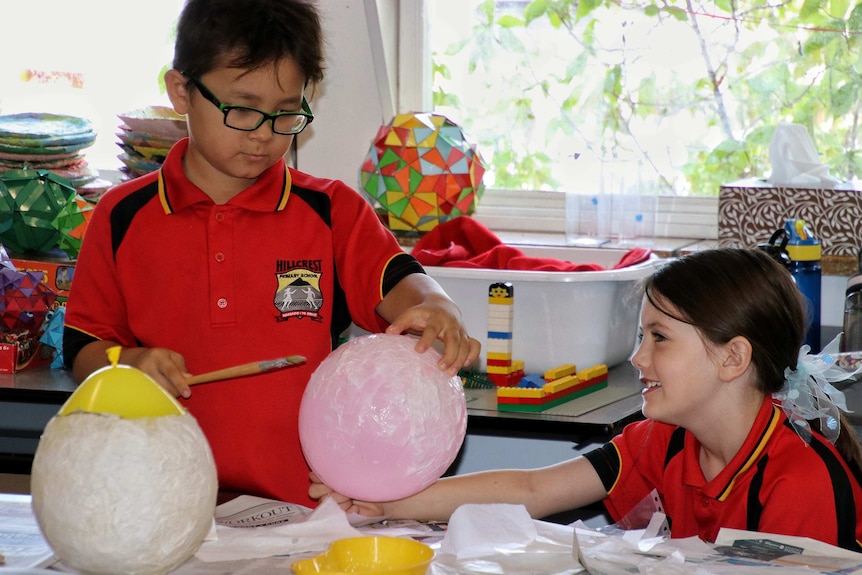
116,495
795,161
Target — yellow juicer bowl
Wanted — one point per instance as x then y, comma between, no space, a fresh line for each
369,555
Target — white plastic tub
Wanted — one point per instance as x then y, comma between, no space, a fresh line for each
585,318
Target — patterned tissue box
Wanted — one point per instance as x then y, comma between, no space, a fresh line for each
749,211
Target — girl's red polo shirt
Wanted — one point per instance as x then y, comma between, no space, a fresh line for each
775,484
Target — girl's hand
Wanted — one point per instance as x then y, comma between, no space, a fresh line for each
319,491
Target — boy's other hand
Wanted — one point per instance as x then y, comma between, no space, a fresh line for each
417,304
439,318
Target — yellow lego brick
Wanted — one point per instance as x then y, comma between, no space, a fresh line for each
561,383
502,369
517,364
492,355
560,371
501,300
530,392
592,372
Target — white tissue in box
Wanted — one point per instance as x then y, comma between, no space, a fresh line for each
794,159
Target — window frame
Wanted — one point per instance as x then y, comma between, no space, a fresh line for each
531,211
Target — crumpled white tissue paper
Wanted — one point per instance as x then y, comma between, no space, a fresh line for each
500,538
794,159
476,530
325,524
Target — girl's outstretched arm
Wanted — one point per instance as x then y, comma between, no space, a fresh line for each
543,491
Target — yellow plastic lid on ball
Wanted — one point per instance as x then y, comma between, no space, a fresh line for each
121,390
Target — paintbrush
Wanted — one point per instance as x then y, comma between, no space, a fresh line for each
246,369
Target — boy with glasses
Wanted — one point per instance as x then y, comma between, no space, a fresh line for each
225,256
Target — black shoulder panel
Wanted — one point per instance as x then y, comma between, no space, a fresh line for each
126,210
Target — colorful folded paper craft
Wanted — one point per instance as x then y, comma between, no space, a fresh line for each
422,170
40,211
25,302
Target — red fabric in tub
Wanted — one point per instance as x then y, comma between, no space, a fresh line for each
463,242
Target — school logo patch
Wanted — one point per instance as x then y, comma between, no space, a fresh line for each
297,294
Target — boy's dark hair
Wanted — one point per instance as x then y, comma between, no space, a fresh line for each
249,34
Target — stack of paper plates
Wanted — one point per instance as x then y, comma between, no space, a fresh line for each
146,135
47,141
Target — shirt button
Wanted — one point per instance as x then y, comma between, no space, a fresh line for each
219,217
219,257
222,303
704,501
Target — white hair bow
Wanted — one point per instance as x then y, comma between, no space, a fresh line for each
808,394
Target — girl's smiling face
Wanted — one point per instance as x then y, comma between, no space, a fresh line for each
677,367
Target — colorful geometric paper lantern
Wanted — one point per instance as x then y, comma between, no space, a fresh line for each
40,211
25,302
422,171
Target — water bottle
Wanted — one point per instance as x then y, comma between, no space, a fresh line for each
851,339
805,251
777,247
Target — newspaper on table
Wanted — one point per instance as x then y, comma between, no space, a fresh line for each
21,542
250,511
478,539
735,552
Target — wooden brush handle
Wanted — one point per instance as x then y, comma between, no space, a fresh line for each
245,369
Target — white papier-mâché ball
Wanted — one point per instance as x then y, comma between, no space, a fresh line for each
117,495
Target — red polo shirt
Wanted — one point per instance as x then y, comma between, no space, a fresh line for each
776,483
281,269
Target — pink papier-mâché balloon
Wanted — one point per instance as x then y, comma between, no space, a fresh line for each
379,421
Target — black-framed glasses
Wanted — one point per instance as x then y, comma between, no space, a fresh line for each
250,119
